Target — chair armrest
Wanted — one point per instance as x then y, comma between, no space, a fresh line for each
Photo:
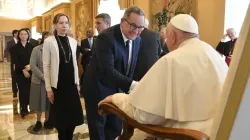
129,124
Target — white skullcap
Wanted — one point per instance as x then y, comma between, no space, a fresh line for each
185,23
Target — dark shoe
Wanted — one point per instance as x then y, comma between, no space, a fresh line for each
22,111
38,126
26,112
14,95
47,125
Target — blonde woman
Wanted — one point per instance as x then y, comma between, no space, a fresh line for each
61,79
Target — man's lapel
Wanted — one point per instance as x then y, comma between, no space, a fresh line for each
135,44
121,45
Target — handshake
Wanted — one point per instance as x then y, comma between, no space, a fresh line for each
26,71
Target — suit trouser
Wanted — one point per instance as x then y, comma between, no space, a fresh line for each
106,127
13,77
84,68
24,90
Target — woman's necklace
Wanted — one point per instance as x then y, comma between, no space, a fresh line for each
65,57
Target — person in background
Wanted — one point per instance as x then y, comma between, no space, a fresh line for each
38,95
86,49
61,79
149,52
163,41
39,40
22,52
183,88
227,48
8,52
102,22
32,41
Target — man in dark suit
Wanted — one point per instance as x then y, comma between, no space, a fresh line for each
111,70
86,49
149,53
9,52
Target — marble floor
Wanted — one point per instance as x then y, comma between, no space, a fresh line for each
13,127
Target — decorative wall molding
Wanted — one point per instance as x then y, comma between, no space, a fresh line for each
47,17
83,17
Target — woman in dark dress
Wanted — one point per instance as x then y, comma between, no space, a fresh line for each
22,52
61,79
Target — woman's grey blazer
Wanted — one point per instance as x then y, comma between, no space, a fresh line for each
36,64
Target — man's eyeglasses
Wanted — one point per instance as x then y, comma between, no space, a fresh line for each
134,27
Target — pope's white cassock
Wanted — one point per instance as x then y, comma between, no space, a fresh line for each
181,90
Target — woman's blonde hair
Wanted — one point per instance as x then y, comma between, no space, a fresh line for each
56,20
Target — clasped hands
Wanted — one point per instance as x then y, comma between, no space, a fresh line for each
26,71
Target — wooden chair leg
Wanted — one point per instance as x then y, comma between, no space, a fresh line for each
128,131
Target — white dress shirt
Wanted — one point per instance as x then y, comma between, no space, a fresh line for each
15,40
90,40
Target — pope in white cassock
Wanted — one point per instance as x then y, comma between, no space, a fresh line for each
183,88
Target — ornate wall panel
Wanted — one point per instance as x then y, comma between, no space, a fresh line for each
48,23
83,17
169,8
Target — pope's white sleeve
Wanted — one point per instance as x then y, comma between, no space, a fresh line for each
121,100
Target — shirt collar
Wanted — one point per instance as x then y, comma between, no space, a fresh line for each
15,40
124,37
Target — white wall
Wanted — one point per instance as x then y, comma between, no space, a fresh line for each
112,8
235,14
241,125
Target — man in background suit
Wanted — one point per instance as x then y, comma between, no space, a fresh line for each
86,49
149,53
8,52
111,70
163,42
102,22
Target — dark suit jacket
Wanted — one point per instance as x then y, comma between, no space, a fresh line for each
107,69
33,42
164,50
21,57
86,55
8,49
149,53
225,47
